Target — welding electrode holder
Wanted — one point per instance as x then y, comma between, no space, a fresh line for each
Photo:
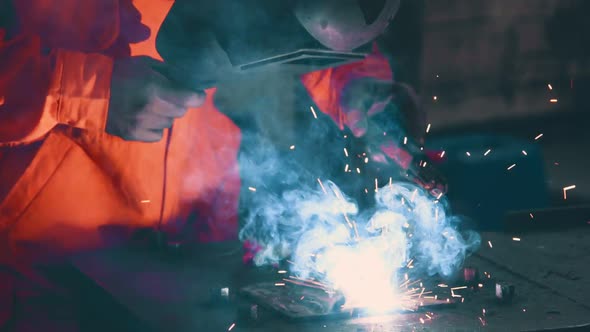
425,174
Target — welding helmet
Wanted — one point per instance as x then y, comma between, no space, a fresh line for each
215,39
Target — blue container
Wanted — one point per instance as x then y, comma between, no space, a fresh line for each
481,187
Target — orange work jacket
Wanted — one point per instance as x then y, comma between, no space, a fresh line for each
66,184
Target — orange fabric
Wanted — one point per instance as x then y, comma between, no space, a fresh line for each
85,188
326,86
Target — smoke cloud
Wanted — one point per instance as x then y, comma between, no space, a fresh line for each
326,237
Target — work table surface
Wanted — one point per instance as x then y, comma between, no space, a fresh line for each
171,293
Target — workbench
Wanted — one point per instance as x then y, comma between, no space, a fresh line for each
171,292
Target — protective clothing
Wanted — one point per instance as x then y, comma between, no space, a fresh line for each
80,179
66,185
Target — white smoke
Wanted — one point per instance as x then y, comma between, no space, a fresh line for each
326,238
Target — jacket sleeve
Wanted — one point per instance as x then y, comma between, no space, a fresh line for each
50,75
325,87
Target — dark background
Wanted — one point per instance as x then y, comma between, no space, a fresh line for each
489,63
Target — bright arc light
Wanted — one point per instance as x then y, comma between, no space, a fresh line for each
364,276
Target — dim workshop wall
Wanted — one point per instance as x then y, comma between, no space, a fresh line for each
492,59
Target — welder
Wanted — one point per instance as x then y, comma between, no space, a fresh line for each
99,137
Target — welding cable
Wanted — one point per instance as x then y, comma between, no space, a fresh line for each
159,229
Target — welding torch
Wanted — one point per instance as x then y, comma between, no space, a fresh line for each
401,126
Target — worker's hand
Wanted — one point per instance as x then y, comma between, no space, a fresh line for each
361,99
145,101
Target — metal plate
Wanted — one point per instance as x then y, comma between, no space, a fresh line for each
307,303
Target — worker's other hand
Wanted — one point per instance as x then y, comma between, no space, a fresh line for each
361,99
145,101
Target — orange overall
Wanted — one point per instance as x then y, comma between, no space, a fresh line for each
66,185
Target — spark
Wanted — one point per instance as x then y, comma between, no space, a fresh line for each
345,152
453,289
231,327
410,262
483,311
538,136
480,285
442,154
279,284
532,217
252,189
366,160
356,232
511,166
358,170
281,271
413,195
425,163
145,201
554,100
292,147
566,189
346,168
390,181
405,140
490,244
524,152
421,320
434,98
550,86
487,152
483,322
348,220
439,196
376,185
307,283
428,128
313,112
517,239
468,154
322,186
443,285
